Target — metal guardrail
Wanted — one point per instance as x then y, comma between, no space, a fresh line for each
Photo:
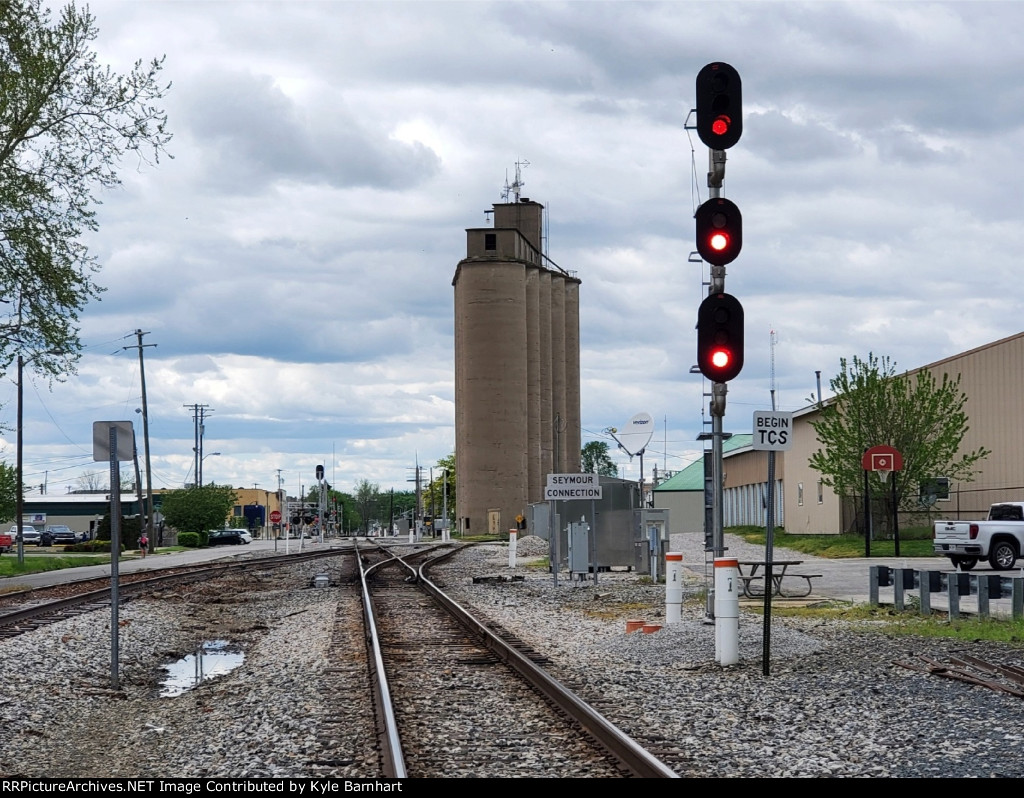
955,584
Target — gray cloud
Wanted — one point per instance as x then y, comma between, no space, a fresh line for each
294,261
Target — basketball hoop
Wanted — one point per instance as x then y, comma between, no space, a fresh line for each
882,460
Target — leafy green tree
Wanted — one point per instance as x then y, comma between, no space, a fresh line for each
404,500
131,529
594,459
197,509
65,124
367,500
8,492
920,417
396,503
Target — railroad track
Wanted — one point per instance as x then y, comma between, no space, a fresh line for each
972,670
462,699
468,702
24,611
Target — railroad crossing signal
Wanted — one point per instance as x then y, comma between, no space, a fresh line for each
719,231
719,106
720,337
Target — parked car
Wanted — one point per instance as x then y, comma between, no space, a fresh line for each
246,537
62,535
221,537
999,539
29,534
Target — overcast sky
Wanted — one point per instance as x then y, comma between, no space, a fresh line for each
293,263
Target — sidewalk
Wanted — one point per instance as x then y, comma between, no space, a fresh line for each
132,563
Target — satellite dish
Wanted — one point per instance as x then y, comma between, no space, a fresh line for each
637,434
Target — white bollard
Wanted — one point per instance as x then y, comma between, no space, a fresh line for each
511,548
673,587
727,610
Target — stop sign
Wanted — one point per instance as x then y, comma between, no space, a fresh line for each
275,517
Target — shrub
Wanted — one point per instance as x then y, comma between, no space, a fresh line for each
191,540
131,529
90,546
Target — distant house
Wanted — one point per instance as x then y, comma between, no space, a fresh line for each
79,511
744,496
83,511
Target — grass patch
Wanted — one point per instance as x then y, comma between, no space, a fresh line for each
9,565
967,629
914,542
890,621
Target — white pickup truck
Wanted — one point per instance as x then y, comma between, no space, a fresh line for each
999,539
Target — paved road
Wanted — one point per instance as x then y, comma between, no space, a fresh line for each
848,580
134,563
845,579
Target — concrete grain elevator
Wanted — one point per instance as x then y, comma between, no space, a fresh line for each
517,370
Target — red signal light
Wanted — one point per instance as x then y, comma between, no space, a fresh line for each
719,231
720,337
719,105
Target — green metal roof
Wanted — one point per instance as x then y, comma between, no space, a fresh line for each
692,477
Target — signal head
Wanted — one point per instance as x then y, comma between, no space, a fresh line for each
720,337
719,106
719,231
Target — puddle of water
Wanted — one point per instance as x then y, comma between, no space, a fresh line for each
212,658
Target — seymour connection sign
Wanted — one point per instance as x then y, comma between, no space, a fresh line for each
571,487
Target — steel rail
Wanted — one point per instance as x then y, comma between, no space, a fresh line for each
393,759
624,748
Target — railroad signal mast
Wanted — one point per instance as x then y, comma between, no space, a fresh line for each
719,238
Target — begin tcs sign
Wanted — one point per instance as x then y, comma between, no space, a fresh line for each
773,430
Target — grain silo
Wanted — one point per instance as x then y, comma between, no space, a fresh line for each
517,370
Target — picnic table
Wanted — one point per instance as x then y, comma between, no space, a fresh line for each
780,570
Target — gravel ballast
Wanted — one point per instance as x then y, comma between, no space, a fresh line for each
834,704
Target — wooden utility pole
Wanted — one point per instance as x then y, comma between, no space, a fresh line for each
145,441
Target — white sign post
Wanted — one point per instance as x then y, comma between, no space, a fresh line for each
773,430
114,441
572,487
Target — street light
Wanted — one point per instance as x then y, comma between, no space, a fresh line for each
203,460
197,480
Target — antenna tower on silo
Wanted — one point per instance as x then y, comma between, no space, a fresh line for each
513,190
